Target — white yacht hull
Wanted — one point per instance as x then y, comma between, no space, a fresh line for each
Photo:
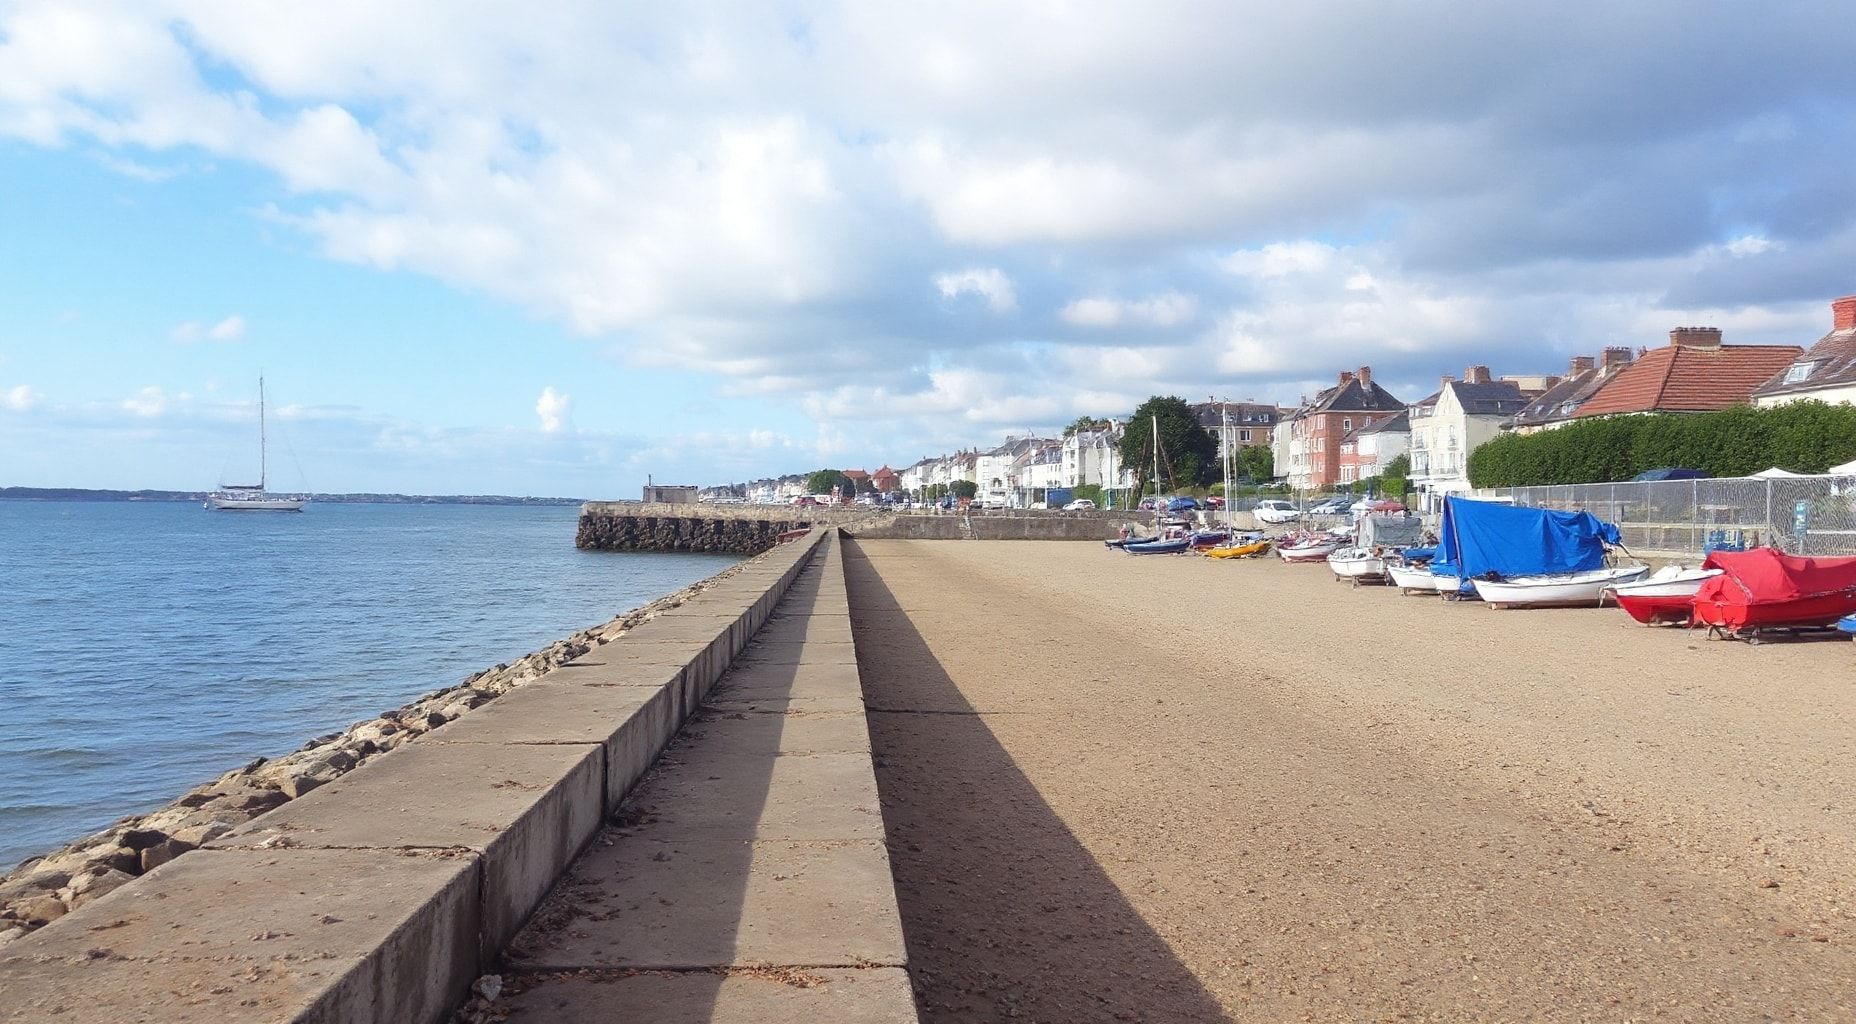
1585,589
225,504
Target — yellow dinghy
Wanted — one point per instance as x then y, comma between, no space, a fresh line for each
1250,550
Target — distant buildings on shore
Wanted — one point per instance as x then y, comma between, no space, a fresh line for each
1355,429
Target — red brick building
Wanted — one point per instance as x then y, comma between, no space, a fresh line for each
1317,428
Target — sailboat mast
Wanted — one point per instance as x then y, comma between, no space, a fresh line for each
262,455
1157,502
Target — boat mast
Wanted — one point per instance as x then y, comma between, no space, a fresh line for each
1157,502
262,467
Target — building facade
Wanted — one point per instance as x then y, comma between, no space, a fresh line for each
1824,373
1317,429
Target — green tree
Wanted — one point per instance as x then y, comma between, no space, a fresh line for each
1092,492
1256,463
1083,424
965,489
1395,479
821,481
1188,452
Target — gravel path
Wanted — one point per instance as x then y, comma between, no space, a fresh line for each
1172,789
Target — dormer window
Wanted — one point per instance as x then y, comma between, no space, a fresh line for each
1798,372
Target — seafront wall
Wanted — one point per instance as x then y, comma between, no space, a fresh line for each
370,877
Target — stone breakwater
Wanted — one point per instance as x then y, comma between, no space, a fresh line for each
42,889
725,529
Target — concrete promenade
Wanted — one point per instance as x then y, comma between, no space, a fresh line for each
746,880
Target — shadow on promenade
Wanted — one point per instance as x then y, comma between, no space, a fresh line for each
1006,915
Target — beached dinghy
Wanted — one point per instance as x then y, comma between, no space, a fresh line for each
1245,549
1559,590
1309,551
1666,595
1357,565
1172,546
1413,579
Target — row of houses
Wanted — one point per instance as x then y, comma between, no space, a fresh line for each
1353,430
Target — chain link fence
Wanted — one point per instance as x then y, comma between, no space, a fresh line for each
1809,515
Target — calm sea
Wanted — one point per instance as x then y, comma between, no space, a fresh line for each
147,647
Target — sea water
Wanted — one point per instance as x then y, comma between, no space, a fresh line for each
145,647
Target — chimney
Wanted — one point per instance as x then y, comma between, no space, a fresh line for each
1444,381
1581,364
1843,313
1366,376
1696,337
1345,376
1476,375
1618,356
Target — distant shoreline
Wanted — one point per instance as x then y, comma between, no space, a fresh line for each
89,494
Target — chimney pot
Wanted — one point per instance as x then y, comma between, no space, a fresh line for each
1581,364
1365,375
1843,313
1345,376
1617,356
1476,375
1444,381
1696,337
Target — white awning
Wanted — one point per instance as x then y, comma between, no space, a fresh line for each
1773,474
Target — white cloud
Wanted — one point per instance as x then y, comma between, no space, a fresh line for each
988,282
149,402
1166,310
760,192
19,398
555,410
232,328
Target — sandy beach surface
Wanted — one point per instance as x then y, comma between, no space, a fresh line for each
1175,789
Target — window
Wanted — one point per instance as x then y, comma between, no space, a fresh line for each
1347,424
1244,436
1799,371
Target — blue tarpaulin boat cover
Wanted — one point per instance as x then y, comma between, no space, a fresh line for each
1484,539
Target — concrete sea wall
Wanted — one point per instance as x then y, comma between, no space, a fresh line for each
383,893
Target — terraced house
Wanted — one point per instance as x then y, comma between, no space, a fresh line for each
1825,373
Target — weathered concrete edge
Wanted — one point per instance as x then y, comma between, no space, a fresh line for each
735,610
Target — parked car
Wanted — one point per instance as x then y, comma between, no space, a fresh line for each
1330,507
1275,511
1181,504
1036,506
1080,505
1214,502
1671,473
805,499
1147,505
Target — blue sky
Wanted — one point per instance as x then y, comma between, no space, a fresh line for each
549,252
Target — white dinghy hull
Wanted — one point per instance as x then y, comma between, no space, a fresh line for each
1572,590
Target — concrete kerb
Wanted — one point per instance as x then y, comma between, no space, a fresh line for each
455,876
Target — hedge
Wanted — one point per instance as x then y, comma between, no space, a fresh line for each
1803,437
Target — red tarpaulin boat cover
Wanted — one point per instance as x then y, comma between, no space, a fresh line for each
1765,587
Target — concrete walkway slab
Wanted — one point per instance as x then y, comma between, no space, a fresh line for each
730,794
744,732
787,680
877,995
644,904
285,928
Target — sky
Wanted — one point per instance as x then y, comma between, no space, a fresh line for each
552,248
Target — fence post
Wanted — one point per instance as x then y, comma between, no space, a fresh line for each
1769,533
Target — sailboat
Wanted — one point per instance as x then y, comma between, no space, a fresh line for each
249,497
